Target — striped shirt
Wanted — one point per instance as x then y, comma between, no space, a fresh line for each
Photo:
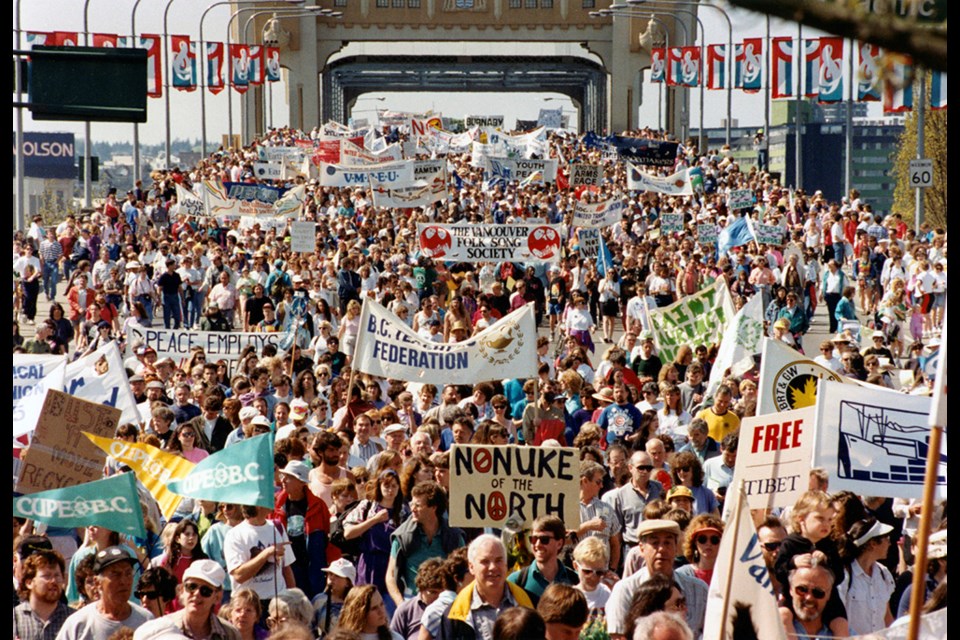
365,451
28,626
50,250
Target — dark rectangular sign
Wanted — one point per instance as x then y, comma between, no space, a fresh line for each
47,155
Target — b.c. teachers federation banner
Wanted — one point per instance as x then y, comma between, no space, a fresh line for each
177,343
490,242
696,319
598,214
387,347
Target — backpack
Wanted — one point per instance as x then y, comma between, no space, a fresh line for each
276,287
349,548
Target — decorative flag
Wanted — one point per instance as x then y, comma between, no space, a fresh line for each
272,64
811,67
154,467
898,85
111,503
742,339
657,64
782,52
152,43
183,63
36,38
239,67
752,64
242,474
738,60
189,203
215,79
690,66
604,258
124,42
938,94
735,234
674,56
717,66
831,69
63,39
868,76
741,601
105,40
255,73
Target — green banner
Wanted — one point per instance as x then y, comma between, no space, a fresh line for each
695,319
242,474
111,503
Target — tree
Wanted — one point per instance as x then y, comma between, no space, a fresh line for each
935,148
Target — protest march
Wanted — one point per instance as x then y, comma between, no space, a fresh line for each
395,382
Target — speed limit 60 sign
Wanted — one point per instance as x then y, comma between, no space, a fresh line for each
921,173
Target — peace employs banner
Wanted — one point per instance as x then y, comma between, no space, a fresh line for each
598,215
676,184
695,319
241,474
387,347
490,242
874,441
153,467
111,503
177,343
489,484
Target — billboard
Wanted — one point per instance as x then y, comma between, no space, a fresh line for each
47,155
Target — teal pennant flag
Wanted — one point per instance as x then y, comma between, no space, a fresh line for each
111,503
240,474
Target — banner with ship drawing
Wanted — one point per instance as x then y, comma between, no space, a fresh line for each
874,442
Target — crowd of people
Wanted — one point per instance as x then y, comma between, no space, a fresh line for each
358,544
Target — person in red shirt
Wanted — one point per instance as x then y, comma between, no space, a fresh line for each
307,521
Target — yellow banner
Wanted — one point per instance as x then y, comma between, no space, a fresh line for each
153,467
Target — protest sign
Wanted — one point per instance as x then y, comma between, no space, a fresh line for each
589,243
483,121
352,155
328,151
268,170
707,233
59,455
111,503
387,347
741,199
291,202
303,237
582,174
788,380
217,202
177,343
773,460
671,223
33,374
251,192
645,150
741,341
189,204
490,242
518,168
153,467
100,377
394,174
598,215
489,484
676,184
873,441
741,601
421,195
550,118
280,154
241,474
768,233
695,319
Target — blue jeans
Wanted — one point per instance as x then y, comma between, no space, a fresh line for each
192,307
147,302
171,310
838,250
51,274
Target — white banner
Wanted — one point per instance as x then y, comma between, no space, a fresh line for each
741,341
422,195
176,343
268,170
938,408
677,184
33,374
303,237
751,601
788,380
590,175
101,378
291,202
519,169
598,215
188,203
490,242
217,203
387,347
773,459
873,441
280,154
394,174
353,156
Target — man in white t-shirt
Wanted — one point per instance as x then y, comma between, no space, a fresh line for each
258,555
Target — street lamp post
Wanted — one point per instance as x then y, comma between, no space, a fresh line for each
136,125
166,89
87,164
21,215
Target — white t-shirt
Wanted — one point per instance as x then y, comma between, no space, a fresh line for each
596,599
90,624
245,541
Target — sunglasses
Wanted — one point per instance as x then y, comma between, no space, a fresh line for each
591,572
541,539
714,540
205,591
499,406
771,546
644,467
682,469
189,434
149,595
816,592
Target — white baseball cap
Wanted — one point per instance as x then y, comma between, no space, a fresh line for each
343,568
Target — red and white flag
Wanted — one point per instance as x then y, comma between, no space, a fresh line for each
105,40
152,43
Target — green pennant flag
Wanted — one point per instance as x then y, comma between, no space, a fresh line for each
111,503
241,474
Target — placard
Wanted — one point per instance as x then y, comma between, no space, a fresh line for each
598,215
707,233
303,237
59,454
741,199
582,174
671,223
489,484
589,243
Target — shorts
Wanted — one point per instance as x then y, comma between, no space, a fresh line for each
555,308
926,303
610,308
